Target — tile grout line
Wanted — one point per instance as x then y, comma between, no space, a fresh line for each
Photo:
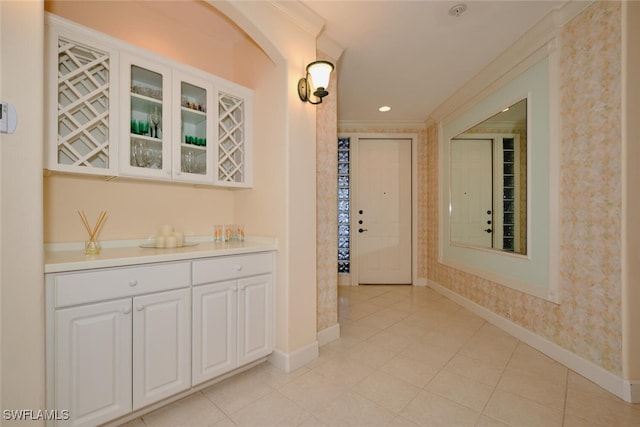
566,397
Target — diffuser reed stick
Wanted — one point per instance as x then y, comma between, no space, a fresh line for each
92,247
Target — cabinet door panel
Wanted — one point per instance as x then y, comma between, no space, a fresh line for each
255,318
234,158
93,361
81,81
161,346
146,118
194,138
214,330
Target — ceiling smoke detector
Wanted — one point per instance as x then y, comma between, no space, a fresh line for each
458,10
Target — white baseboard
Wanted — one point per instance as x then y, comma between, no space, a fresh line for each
422,281
289,362
626,390
633,388
329,334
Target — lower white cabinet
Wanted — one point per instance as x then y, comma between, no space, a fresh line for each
120,339
254,318
112,357
232,325
93,361
214,330
161,346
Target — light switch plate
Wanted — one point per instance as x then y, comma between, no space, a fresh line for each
8,118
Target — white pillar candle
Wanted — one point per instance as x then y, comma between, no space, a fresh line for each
160,241
179,238
166,230
170,241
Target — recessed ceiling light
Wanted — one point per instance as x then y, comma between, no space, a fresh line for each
458,10
384,108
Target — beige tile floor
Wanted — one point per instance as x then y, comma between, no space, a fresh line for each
406,357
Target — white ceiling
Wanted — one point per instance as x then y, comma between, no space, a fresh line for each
413,55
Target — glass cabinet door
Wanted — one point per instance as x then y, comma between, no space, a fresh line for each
192,155
147,128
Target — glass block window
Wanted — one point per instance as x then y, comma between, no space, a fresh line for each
343,206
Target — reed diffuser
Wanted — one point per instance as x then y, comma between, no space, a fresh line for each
92,247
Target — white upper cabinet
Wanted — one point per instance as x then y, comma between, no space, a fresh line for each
80,99
115,109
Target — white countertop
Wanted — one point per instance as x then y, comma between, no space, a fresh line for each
61,257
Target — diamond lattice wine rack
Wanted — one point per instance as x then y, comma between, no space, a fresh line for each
231,122
83,105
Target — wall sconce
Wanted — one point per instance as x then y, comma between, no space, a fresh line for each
318,74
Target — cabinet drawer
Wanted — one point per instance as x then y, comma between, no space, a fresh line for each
231,267
79,288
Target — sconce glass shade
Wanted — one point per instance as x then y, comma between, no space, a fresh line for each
318,74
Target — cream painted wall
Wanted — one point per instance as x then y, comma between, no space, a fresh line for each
21,255
188,31
136,209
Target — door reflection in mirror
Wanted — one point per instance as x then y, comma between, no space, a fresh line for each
488,183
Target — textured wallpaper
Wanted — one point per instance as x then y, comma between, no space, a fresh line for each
587,322
327,205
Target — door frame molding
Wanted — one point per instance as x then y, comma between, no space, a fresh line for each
353,223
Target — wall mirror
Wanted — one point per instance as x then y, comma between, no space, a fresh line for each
488,182
505,229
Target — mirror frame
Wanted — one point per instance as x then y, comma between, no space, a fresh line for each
537,271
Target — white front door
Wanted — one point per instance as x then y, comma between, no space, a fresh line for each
382,212
471,192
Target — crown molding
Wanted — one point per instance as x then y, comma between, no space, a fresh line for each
374,125
301,15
